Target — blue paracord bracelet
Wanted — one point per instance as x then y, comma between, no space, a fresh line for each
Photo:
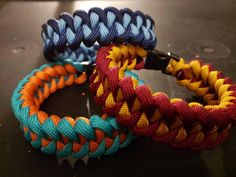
69,36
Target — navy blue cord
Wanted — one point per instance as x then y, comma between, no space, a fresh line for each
75,36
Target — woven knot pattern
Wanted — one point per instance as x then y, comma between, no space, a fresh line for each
173,121
79,136
102,26
82,54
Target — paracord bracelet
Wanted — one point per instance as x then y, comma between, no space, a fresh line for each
173,121
63,38
63,136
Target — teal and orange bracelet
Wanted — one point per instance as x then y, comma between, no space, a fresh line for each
79,136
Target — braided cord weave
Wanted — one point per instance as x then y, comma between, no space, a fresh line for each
172,121
63,37
63,136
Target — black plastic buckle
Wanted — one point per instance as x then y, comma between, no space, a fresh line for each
158,60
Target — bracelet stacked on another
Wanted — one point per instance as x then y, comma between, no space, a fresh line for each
63,37
173,121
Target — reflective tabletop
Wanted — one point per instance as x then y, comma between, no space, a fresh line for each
189,28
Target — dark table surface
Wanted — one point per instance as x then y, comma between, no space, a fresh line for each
192,29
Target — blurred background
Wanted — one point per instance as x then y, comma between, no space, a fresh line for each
189,28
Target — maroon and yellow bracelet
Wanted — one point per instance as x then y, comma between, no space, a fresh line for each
173,121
